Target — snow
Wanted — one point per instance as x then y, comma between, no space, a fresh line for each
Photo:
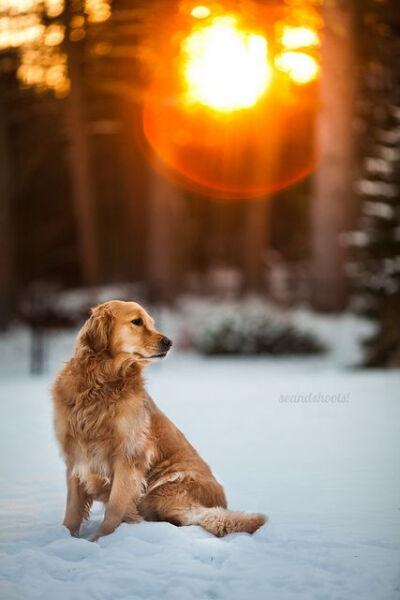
310,443
378,209
355,238
376,188
389,136
378,165
387,153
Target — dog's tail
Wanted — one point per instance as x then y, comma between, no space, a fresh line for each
221,521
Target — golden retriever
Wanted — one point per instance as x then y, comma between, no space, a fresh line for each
118,447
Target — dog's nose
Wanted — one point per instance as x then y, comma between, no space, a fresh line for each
166,343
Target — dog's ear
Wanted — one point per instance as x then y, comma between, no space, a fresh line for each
96,332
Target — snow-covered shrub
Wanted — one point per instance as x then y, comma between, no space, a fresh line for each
248,328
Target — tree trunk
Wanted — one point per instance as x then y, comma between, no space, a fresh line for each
256,226
81,176
6,270
333,198
164,204
135,185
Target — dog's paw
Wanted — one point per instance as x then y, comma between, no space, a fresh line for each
102,531
73,529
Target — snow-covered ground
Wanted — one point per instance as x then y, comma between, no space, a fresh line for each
313,445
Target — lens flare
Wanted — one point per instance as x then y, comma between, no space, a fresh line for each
301,67
226,112
200,12
299,37
225,68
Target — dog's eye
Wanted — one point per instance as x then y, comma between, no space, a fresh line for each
137,322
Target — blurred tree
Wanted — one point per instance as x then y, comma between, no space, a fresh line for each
375,264
129,225
44,37
79,159
162,258
91,58
256,241
333,201
6,228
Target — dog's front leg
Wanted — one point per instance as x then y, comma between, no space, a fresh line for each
78,505
125,493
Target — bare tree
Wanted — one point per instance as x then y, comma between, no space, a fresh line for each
162,260
333,197
80,167
256,229
6,269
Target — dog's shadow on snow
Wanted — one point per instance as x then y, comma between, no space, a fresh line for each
88,528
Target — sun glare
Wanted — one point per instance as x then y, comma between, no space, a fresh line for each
225,67
301,67
200,12
229,94
299,37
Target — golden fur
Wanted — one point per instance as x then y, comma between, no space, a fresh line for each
118,447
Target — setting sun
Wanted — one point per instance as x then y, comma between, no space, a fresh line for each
235,100
225,67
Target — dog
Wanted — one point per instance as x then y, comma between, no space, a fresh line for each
118,447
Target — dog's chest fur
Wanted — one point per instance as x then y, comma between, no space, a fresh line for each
100,435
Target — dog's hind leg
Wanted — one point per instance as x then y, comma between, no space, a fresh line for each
169,502
180,506
221,521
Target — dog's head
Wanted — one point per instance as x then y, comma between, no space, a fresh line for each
118,327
